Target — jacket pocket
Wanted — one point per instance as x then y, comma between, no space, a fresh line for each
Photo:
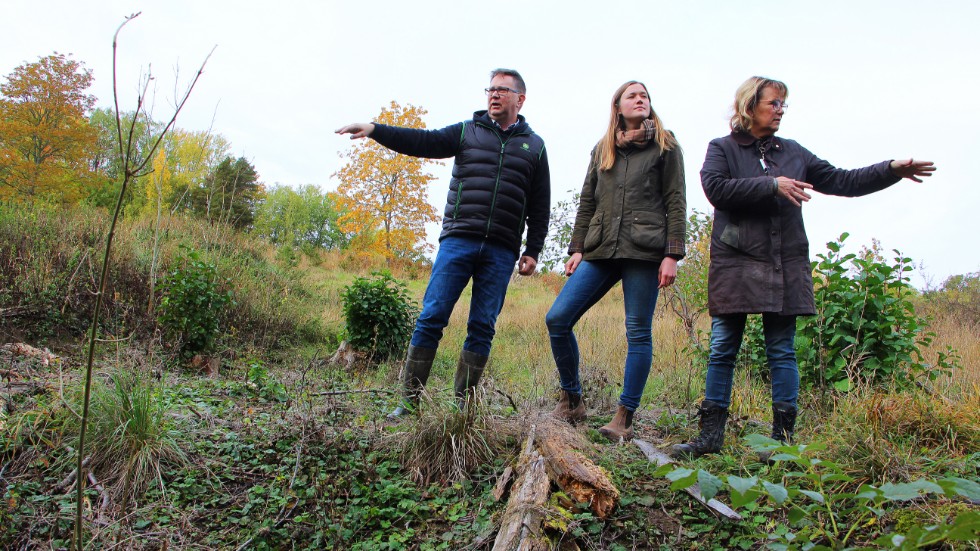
649,231
594,237
729,235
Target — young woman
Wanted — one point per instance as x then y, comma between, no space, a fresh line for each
630,227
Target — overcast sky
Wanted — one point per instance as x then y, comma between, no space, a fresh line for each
868,80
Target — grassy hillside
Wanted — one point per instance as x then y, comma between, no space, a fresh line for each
283,449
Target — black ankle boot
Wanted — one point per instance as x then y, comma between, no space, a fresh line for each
783,426
783,422
712,424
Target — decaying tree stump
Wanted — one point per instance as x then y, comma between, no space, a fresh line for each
555,453
578,477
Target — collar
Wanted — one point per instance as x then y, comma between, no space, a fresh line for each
509,127
484,116
745,139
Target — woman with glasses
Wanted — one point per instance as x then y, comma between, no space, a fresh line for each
629,227
759,251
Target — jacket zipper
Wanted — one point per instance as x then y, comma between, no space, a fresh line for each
496,184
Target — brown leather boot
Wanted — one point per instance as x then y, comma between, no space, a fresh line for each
621,426
570,408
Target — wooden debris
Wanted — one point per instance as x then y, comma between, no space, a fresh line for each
66,484
522,526
660,458
208,365
577,476
349,358
14,350
502,483
103,504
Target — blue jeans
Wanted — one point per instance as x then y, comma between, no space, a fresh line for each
590,282
726,339
459,259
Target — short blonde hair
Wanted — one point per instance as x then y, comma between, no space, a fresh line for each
747,97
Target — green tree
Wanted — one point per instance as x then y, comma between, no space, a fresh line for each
688,296
190,158
45,138
229,193
304,218
959,296
105,160
560,228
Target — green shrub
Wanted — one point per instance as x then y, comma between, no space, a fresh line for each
193,303
826,508
866,329
380,315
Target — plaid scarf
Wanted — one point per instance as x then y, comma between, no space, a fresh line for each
638,137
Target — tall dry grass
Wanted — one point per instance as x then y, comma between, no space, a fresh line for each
521,363
963,335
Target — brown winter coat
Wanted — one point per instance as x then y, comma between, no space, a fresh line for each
760,258
636,209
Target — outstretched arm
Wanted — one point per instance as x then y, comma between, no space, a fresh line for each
357,130
912,169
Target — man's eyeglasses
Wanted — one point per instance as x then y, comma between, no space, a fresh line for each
501,90
778,104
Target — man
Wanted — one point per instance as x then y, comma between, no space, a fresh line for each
500,182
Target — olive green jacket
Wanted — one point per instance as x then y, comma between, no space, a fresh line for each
635,210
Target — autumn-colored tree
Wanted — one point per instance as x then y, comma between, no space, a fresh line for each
383,193
45,138
190,158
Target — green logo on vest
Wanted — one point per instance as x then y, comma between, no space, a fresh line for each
525,146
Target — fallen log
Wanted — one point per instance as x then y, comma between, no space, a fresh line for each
578,477
553,453
522,526
660,458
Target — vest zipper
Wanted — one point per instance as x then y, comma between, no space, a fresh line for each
496,183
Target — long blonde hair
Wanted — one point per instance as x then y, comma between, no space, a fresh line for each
605,152
747,97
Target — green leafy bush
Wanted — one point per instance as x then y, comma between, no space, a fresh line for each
193,303
866,328
380,315
823,510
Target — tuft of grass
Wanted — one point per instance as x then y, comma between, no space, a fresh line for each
889,436
132,438
448,443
